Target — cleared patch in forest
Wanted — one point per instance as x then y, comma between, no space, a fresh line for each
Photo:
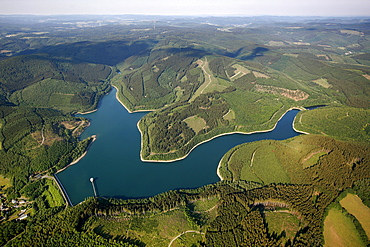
196,123
279,221
230,115
240,72
4,182
296,95
313,158
260,75
210,82
276,43
323,82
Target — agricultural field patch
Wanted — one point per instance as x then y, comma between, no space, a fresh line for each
339,230
353,204
352,32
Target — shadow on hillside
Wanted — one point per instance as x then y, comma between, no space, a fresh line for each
257,52
109,53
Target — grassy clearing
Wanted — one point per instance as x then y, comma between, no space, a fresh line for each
271,161
188,239
339,230
312,159
230,116
236,159
260,75
354,205
53,195
266,166
323,82
157,230
196,123
239,72
205,205
282,221
178,92
5,182
241,68
256,161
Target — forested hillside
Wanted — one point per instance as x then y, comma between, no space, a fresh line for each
201,77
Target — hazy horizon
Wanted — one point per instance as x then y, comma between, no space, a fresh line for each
231,8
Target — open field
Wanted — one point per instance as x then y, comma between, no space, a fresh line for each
4,182
196,123
256,162
53,195
239,72
157,230
323,82
339,230
282,221
205,205
353,204
313,158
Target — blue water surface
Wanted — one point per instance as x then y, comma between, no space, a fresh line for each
113,160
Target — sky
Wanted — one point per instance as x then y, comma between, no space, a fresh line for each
190,7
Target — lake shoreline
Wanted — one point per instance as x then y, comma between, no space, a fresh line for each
127,109
87,112
223,134
196,170
79,158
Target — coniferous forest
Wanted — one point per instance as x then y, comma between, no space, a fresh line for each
200,77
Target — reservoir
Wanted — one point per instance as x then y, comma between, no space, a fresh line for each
113,160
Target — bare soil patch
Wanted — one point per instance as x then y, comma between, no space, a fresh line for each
296,95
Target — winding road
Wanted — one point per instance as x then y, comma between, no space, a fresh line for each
183,234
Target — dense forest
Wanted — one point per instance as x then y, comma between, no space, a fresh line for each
201,78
